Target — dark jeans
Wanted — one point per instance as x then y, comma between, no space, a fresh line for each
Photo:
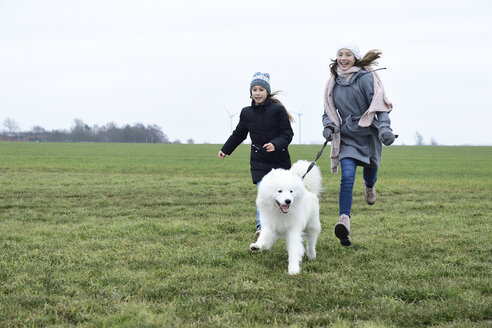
349,166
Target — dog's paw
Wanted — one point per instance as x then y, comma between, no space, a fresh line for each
294,269
294,272
254,247
311,254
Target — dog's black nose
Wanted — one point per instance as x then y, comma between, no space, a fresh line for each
287,201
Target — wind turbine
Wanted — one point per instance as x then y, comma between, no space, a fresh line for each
230,117
299,114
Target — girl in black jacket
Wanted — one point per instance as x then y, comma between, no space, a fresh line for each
268,124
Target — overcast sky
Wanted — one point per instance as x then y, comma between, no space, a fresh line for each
181,64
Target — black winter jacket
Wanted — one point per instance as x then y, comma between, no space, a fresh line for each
265,123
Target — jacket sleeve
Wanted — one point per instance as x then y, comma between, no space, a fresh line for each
237,136
327,122
384,119
286,134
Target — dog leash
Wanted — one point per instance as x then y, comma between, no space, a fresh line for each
317,157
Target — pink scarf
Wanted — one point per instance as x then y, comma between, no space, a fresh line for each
379,103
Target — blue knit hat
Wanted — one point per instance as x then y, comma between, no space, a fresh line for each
261,79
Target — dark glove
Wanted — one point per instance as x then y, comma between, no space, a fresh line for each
327,131
386,135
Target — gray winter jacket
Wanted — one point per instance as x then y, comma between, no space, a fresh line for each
352,99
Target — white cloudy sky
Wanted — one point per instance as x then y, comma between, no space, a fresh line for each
181,64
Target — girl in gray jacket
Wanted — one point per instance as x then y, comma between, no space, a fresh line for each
357,123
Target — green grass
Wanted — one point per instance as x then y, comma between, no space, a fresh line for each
133,235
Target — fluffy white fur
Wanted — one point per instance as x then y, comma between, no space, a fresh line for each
289,208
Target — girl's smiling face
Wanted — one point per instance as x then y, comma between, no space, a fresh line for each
345,59
259,94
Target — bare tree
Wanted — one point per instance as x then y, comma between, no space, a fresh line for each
37,133
78,130
38,130
155,134
419,139
110,131
11,127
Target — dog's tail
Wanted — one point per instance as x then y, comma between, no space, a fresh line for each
312,180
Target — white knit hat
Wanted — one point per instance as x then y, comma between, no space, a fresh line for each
352,46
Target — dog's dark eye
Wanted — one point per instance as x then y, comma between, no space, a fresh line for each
291,191
280,191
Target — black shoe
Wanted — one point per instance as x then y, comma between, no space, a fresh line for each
343,234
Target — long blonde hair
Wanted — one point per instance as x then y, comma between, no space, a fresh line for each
369,59
277,101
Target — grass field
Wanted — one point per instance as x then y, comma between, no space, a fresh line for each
136,235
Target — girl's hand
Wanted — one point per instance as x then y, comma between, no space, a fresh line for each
221,154
269,147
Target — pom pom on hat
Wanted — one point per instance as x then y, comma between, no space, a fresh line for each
352,46
261,79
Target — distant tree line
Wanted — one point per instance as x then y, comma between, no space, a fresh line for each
81,132
419,140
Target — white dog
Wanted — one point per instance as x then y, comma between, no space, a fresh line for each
289,208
